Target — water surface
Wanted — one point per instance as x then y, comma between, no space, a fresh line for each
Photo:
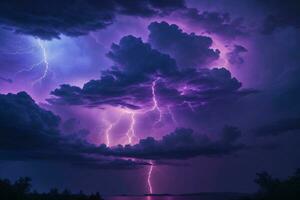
200,197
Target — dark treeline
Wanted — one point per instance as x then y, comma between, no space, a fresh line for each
21,190
275,189
269,189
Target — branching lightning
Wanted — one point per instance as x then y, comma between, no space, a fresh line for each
191,106
31,67
131,132
107,134
96,39
108,129
172,115
154,107
45,61
154,100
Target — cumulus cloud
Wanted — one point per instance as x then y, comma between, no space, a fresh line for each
127,84
235,57
134,57
49,19
189,50
30,122
221,24
147,8
180,144
28,132
137,65
34,135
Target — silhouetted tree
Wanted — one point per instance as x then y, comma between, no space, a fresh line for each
20,190
266,182
275,189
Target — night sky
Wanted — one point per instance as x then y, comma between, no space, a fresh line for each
149,96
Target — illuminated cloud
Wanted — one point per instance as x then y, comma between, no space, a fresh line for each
129,82
34,135
235,56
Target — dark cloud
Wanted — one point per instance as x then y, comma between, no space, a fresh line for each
114,164
189,50
280,14
216,23
147,8
28,132
72,128
50,19
181,144
235,57
134,57
70,125
279,127
30,123
201,87
129,83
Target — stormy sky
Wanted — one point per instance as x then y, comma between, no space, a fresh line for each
149,96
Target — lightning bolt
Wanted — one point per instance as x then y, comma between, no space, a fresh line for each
155,107
149,178
107,134
96,39
172,115
31,67
45,61
131,132
109,128
155,102
190,106
30,50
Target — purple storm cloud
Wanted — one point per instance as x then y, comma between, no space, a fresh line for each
149,96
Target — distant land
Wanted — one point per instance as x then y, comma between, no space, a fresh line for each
184,196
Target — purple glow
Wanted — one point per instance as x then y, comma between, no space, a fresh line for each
147,98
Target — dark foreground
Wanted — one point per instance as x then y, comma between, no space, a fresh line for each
161,198
202,196
270,189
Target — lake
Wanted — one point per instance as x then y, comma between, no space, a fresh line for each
158,198
184,197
